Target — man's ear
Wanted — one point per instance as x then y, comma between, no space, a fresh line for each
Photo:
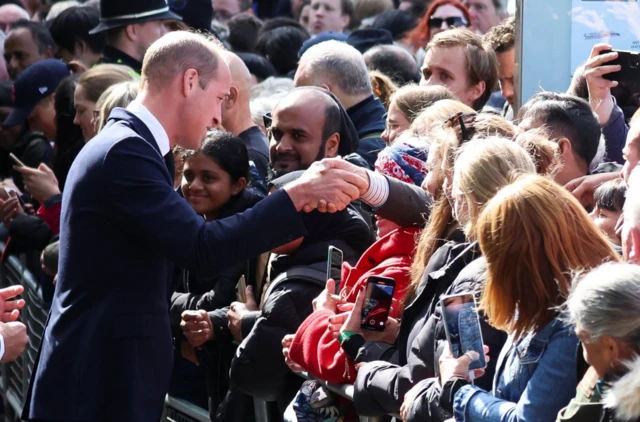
48,52
232,98
477,90
332,145
327,87
131,31
346,20
564,147
190,82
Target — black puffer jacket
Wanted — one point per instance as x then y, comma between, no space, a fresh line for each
258,368
380,388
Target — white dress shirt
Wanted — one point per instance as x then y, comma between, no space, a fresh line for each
156,129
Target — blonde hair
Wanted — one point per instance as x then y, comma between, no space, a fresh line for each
545,153
484,166
412,99
435,115
534,234
118,95
96,80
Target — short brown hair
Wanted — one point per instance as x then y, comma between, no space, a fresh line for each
534,234
177,52
368,8
481,62
501,37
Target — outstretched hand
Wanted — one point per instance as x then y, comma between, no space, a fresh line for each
10,309
328,186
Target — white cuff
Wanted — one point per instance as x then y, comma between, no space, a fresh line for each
378,191
1,347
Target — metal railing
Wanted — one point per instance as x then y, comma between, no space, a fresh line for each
16,375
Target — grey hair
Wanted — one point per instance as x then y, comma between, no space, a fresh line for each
606,302
272,86
340,64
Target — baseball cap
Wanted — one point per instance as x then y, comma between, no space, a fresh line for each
36,82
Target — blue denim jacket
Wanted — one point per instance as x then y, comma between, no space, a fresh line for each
535,378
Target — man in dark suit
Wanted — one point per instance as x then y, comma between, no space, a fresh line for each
106,352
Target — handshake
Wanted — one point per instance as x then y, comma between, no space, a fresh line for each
14,333
328,186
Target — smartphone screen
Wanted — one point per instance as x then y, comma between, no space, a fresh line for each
377,303
462,326
334,266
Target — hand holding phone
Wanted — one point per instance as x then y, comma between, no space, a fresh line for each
334,266
377,303
462,326
16,160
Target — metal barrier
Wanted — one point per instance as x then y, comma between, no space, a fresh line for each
16,375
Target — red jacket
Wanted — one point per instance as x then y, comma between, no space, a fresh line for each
313,348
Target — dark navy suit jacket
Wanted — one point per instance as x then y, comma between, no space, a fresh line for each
107,349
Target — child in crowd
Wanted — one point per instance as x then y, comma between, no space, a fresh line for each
609,200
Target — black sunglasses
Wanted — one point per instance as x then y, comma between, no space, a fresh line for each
453,21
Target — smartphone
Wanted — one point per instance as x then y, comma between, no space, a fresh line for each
377,303
629,62
462,325
334,266
16,160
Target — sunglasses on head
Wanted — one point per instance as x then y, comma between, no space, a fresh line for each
453,21
464,120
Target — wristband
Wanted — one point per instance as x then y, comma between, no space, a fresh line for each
345,336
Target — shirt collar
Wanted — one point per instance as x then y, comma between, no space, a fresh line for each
154,126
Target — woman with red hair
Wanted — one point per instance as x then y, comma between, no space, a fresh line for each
441,15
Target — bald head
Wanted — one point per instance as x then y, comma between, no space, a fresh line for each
395,62
10,13
338,67
240,75
298,136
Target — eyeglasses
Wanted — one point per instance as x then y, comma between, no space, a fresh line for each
452,21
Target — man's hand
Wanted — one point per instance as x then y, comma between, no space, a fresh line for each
327,298
584,187
15,340
237,311
10,309
327,186
409,398
197,327
599,87
40,182
286,345
10,208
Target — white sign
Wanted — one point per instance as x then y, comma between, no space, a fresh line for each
615,22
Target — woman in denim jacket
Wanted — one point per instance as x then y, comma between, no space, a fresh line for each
533,234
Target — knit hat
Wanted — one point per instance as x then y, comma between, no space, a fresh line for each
404,162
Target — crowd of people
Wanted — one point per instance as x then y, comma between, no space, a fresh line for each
178,171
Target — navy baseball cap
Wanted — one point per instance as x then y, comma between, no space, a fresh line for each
36,82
